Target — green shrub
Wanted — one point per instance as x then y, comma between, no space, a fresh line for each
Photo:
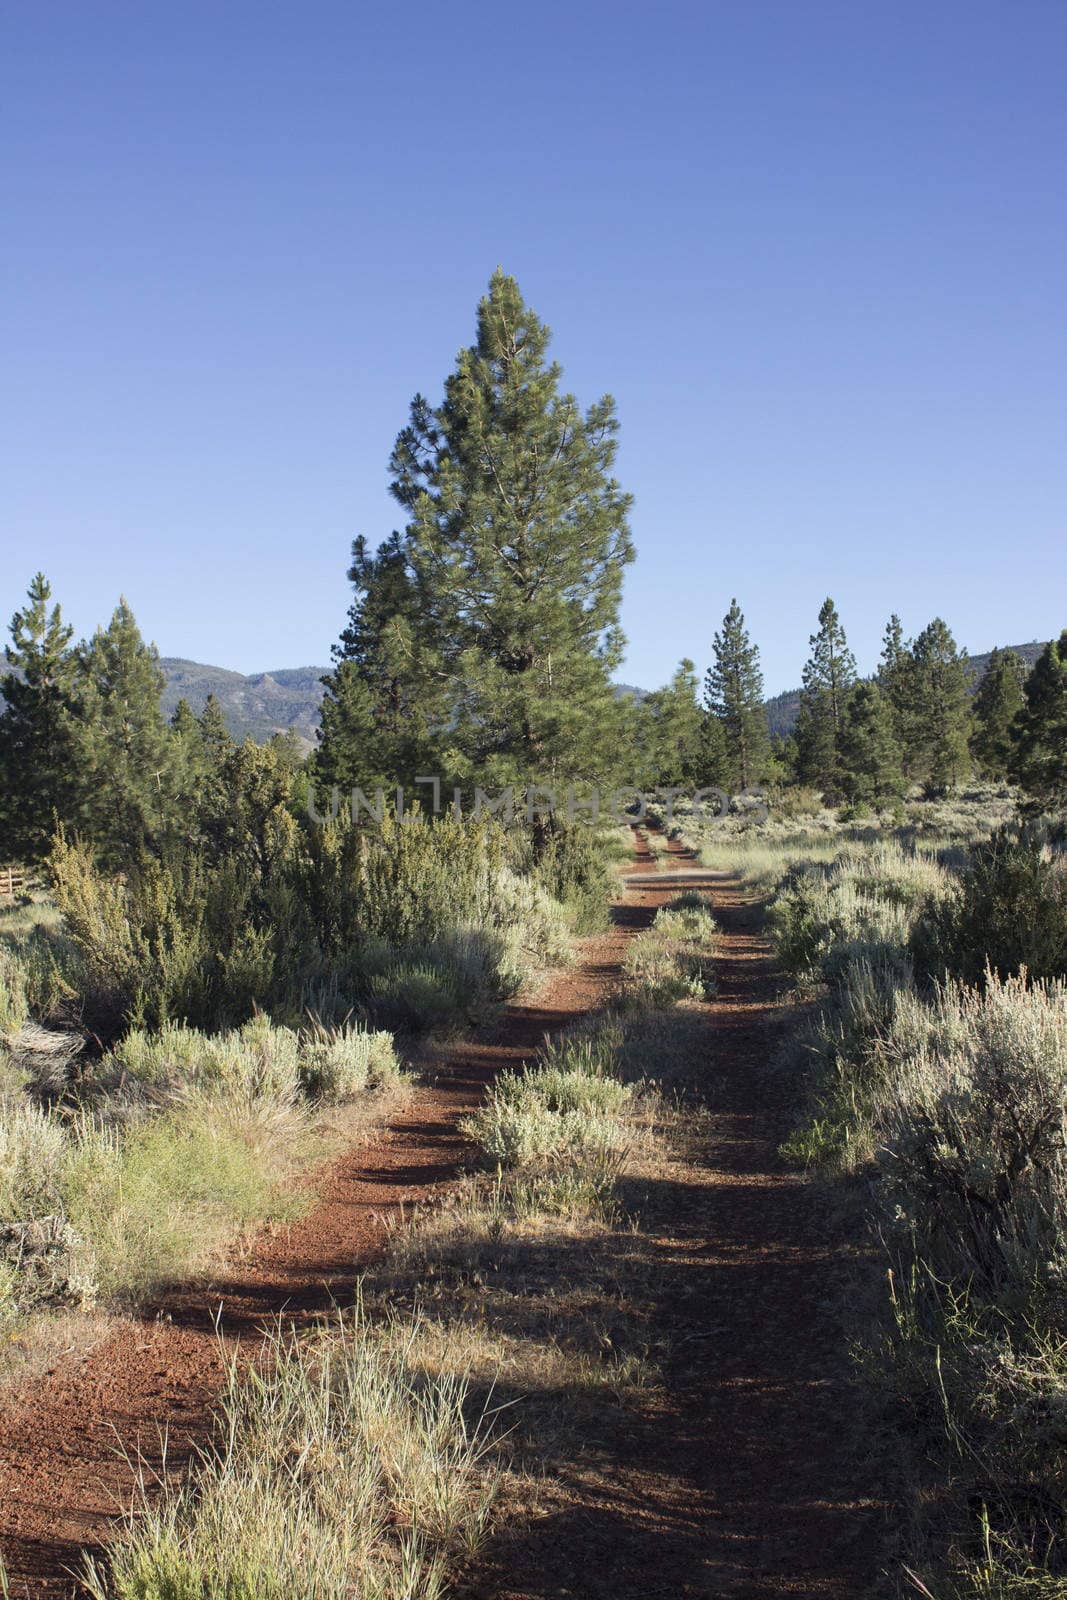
1009,913
572,868
337,1064
425,919
14,1008
418,879
672,960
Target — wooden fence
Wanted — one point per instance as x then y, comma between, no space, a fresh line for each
12,881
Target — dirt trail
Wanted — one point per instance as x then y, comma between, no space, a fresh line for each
65,1439
734,1482
747,1476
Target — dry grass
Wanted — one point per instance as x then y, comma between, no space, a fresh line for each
173,1148
502,1328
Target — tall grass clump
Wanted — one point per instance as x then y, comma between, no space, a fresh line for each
338,1469
14,1009
171,1144
673,959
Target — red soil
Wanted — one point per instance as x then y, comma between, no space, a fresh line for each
735,1484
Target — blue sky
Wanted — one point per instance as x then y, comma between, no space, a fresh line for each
816,251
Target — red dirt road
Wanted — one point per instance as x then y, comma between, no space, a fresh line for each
65,1439
736,1480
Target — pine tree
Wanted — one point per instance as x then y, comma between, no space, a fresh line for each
828,677
385,705
1039,762
939,707
997,703
714,765
217,739
40,775
190,766
733,696
871,771
670,723
128,751
895,679
495,612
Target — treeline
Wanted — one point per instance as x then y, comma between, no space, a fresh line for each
864,742
84,745
479,648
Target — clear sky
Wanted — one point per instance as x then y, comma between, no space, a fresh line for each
817,249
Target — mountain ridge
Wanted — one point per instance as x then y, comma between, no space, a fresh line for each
262,703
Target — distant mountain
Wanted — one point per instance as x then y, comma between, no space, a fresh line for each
269,702
782,708
260,704
265,702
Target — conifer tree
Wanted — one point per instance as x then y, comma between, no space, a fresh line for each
939,707
895,674
871,771
190,757
714,767
40,774
495,611
385,704
670,723
733,696
997,703
128,752
217,740
1039,762
828,677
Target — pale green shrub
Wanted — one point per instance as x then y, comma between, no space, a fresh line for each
14,1009
517,1126
257,1060
338,1064
862,905
974,1130
340,1466
671,960
33,1150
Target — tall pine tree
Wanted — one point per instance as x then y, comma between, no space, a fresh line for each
1039,762
895,679
669,723
871,770
493,617
385,710
733,697
939,705
828,677
40,773
129,754
997,703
